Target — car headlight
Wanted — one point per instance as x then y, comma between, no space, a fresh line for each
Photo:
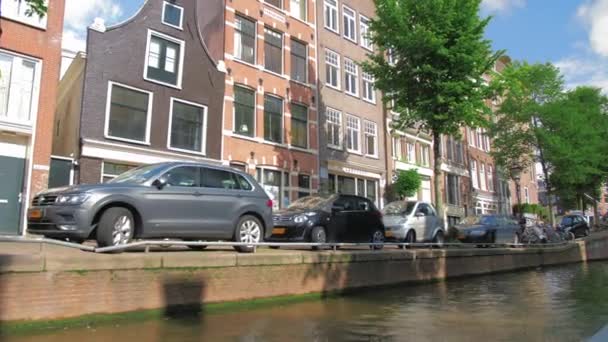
74,199
300,219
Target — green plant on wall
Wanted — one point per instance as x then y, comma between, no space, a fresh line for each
408,183
37,7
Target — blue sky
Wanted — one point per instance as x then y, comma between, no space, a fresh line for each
572,34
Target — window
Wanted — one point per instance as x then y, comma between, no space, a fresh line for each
353,128
370,190
298,9
275,3
411,153
449,150
479,135
490,178
273,51
274,182
163,64
366,42
482,176
18,87
526,195
371,138
332,69
471,137
348,21
299,125
351,77
172,15
397,148
303,185
244,111
220,179
369,93
273,119
425,152
458,147
346,185
128,113
298,61
188,126
474,174
17,10
330,9
243,183
488,146
111,170
244,39
361,187
183,176
425,209
334,127
453,190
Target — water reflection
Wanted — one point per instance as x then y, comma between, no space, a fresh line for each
557,304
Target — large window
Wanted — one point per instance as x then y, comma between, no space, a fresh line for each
298,9
110,170
474,174
244,111
370,129
397,154
369,93
330,9
366,42
172,15
299,125
332,69
273,51
128,113
276,183
273,119
303,185
222,179
411,152
349,26
334,127
351,77
275,3
354,186
164,59
298,61
453,189
353,130
490,178
188,126
18,10
184,176
244,39
425,155
18,86
482,176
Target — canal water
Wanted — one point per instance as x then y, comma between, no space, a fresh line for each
568,303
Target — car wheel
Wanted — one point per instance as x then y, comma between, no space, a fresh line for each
318,235
248,230
570,236
377,237
116,227
439,239
410,238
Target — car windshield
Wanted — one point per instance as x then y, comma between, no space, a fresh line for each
310,202
567,220
137,175
481,220
399,208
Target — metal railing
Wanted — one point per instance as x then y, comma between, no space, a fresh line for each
330,245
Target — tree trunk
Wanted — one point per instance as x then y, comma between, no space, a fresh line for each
437,168
543,164
596,215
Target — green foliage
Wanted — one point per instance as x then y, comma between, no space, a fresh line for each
408,183
36,7
537,209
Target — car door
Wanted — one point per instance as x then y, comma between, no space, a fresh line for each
419,222
579,225
174,210
504,230
338,223
367,220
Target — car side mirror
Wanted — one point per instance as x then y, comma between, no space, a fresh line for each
160,183
420,214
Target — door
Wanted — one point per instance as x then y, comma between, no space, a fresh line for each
60,173
367,220
11,174
341,218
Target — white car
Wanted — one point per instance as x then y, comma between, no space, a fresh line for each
412,221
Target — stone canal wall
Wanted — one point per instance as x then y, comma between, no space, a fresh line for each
55,284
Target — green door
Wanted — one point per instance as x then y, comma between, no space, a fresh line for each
11,174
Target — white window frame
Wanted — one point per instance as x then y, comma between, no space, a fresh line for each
181,16
397,153
354,73
337,66
482,177
307,124
425,155
329,7
106,134
107,175
411,152
358,132
368,95
283,116
283,48
305,10
350,18
490,178
479,142
370,128
17,13
255,111
474,176
471,137
180,68
527,194
35,100
255,40
203,150
363,31
338,115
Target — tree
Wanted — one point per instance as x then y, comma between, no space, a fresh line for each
525,89
408,183
438,56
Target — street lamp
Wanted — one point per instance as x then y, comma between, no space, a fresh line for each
516,176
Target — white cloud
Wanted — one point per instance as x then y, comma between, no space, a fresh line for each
495,6
79,14
594,14
584,71
73,41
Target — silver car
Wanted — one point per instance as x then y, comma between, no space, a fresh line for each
412,221
189,201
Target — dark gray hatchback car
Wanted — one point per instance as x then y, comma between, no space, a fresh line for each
189,201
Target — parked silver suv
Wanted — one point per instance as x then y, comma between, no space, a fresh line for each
189,201
412,221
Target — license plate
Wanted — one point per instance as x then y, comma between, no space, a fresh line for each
279,231
35,214
388,234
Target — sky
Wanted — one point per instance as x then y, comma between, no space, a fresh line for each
572,34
